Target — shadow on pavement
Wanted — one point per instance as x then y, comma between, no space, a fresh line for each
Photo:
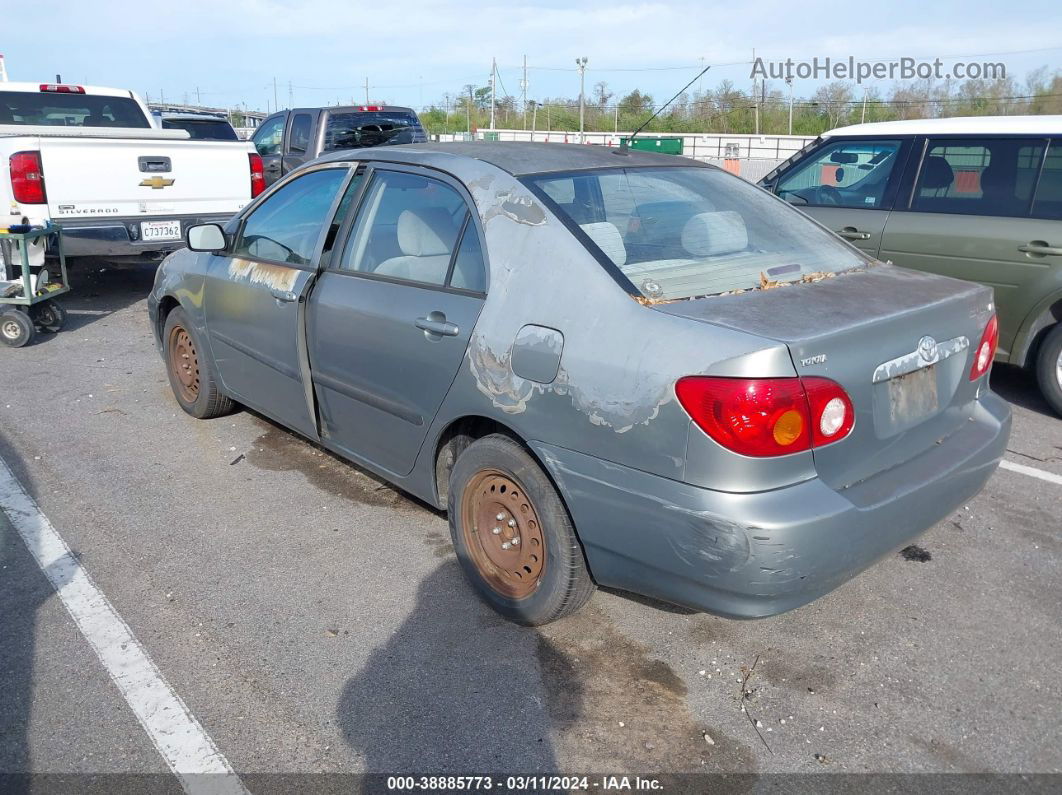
1018,386
23,589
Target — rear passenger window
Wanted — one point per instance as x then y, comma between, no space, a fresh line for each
299,140
407,228
469,271
992,177
1048,201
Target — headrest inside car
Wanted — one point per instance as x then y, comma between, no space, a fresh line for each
713,234
425,232
607,238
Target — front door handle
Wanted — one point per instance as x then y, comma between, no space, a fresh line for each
436,323
287,296
851,233
271,167
1040,247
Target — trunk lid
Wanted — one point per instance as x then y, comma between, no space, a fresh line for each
102,177
868,331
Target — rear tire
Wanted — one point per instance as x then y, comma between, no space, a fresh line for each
191,373
50,316
532,571
1049,368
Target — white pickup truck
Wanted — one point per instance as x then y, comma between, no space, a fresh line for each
92,161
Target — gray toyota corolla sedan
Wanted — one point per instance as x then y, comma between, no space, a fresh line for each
609,367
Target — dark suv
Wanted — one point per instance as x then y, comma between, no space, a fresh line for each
290,138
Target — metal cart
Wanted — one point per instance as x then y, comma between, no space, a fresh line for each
27,301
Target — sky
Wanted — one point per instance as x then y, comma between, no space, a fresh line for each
412,53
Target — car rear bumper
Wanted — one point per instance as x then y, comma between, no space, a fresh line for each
120,237
759,554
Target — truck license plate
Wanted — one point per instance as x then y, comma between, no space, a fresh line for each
160,230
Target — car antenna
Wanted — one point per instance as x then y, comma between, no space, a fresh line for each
626,144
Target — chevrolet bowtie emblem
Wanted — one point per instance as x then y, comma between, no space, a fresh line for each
156,183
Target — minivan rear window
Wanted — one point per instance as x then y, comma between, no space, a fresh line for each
355,130
69,110
686,232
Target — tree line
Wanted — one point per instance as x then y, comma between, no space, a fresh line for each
729,109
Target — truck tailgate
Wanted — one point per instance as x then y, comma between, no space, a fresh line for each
101,177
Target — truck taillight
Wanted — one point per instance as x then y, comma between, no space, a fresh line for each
257,174
986,350
370,107
768,416
27,178
60,88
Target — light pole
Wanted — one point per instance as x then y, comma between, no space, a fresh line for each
789,82
581,63
534,117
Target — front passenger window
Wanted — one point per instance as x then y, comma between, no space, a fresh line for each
842,174
287,225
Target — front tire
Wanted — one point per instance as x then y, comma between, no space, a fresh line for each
513,536
191,373
1049,368
16,328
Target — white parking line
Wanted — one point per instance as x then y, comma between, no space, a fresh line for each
1032,472
174,731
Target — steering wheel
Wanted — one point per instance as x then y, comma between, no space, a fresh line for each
829,195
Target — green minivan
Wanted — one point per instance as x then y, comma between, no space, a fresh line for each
976,198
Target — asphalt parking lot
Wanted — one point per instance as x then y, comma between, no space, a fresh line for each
313,619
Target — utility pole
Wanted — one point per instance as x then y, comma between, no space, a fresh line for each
615,118
863,118
581,63
756,96
493,80
198,101
468,110
366,90
789,80
523,95
276,103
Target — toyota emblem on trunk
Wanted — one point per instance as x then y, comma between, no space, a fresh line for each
927,348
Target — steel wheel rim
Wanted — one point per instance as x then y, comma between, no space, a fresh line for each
184,364
513,559
1058,369
11,329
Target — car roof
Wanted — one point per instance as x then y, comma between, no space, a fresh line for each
959,125
360,109
193,117
516,157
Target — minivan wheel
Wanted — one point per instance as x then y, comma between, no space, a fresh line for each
1049,368
191,374
513,536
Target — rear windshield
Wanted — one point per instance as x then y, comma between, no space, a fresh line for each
203,129
356,130
686,232
69,110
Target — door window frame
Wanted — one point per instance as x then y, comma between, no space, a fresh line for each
287,148
915,163
471,219
315,260
892,184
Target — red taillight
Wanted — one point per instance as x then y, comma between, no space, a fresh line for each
257,174
59,88
370,107
27,178
768,416
986,350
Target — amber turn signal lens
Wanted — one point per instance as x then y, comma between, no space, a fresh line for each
788,428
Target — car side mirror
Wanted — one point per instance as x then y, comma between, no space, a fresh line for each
206,237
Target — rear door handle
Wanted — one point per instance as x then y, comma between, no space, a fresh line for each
851,233
287,296
434,325
1041,248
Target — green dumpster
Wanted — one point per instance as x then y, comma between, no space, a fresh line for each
666,146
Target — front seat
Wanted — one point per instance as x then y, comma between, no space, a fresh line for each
426,237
